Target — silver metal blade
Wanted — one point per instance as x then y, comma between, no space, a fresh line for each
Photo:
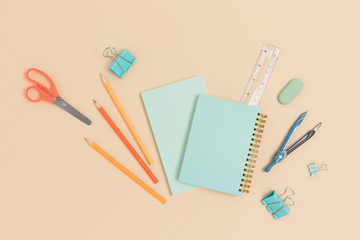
67,107
317,127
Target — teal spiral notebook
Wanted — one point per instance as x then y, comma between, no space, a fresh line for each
222,145
170,111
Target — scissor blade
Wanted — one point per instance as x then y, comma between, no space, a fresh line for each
67,107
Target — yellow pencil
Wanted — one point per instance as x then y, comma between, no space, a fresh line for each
125,170
126,119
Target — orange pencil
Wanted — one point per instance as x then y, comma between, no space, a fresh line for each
126,142
126,119
125,170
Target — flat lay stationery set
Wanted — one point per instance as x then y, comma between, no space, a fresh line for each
203,141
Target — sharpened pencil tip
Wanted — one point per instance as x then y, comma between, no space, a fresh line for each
102,77
88,141
97,105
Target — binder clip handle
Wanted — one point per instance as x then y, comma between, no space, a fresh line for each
121,61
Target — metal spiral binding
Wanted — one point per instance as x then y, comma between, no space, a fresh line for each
253,150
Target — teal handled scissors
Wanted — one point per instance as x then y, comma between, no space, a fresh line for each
51,95
282,153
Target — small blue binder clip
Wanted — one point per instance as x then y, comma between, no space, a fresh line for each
121,62
314,170
277,205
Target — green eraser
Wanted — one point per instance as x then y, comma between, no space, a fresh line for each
291,90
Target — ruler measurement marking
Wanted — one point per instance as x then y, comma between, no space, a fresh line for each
262,70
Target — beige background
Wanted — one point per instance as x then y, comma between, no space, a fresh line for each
54,186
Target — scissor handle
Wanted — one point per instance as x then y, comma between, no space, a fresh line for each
52,90
44,96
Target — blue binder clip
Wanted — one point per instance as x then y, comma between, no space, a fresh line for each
277,204
314,170
121,62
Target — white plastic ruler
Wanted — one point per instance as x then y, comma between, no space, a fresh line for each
260,75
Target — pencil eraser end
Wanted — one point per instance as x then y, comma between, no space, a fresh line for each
292,89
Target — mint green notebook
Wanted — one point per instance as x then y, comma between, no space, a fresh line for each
170,110
223,140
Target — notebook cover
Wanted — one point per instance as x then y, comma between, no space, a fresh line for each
170,110
218,144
